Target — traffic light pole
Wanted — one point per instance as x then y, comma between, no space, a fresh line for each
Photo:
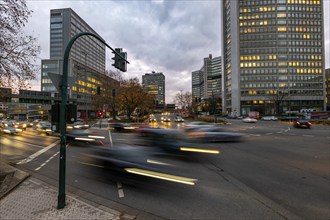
64,92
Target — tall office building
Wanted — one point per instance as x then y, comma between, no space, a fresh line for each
86,60
154,84
273,55
206,82
327,88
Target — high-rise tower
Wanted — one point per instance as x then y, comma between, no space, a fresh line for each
273,56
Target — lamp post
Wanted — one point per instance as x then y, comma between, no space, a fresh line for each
64,91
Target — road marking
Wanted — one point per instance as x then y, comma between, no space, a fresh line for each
90,164
47,161
36,154
269,133
110,139
307,135
33,145
120,190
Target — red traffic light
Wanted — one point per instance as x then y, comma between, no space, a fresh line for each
99,113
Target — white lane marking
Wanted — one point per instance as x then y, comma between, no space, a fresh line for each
36,154
120,190
269,133
47,161
90,164
110,139
307,135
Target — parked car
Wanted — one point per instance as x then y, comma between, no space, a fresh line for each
302,124
249,120
269,118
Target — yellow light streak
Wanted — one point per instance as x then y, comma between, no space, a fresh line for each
199,150
84,139
96,137
163,176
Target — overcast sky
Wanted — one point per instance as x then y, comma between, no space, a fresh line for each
165,36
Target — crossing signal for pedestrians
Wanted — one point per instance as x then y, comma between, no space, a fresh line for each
99,113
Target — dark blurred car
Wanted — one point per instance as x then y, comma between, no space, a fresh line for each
44,127
122,127
302,124
171,142
133,161
215,134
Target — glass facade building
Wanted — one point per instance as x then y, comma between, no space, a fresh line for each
272,53
206,82
86,61
154,84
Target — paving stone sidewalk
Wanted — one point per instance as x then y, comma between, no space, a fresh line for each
33,200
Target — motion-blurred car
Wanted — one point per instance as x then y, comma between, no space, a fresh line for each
269,118
23,125
165,118
196,125
215,134
249,120
302,124
178,119
152,118
122,127
170,142
125,161
44,127
78,125
5,129
83,135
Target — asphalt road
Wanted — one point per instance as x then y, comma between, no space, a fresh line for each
278,172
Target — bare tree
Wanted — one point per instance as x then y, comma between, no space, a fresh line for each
18,51
131,96
278,97
184,100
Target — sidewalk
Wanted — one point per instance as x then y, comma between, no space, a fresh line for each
24,197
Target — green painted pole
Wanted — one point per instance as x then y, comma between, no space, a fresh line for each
64,93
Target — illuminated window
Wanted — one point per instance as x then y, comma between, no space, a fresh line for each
281,29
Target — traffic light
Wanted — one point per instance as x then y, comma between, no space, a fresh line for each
120,63
98,90
99,113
